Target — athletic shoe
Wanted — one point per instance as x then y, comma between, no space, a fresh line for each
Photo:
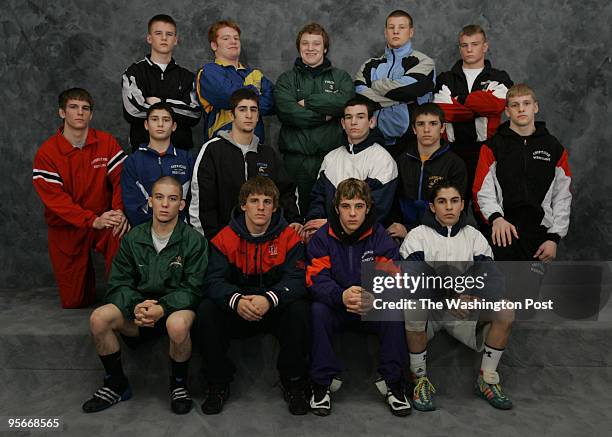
422,395
488,387
296,395
320,400
396,399
215,398
180,400
105,397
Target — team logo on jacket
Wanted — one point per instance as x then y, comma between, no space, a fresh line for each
330,86
368,256
541,155
433,180
177,262
273,249
262,169
99,162
178,169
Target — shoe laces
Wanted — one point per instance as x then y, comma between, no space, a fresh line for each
424,388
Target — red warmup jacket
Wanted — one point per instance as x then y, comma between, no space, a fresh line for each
77,185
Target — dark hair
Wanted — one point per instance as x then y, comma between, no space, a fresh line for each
162,18
442,184
314,29
242,94
472,29
167,180
352,188
428,109
75,94
214,29
361,100
161,106
259,185
399,13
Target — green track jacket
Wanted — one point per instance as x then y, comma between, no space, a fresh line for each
173,276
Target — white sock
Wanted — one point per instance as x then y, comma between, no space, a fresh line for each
418,363
490,358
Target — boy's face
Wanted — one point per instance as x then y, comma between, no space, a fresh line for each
521,110
77,115
473,49
352,213
447,206
312,49
258,210
166,202
227,44
246,115
398,31
160,125
162,38
356,124
428,129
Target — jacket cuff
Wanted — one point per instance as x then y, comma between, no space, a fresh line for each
493,216
553,237
234,299
272,298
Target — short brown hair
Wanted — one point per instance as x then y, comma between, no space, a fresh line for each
214,29
472,29
242,94
352,188
428,108
259,185
313,29
163,18
520,89
75,94
167,180
399,13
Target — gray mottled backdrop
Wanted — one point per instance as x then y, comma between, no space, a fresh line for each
562,48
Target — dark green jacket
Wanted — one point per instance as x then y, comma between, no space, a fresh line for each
173,277
325,91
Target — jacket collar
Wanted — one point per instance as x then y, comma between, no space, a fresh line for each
143,236
413,150
171,64
253,147
504,129
300,65
402,52
238,225
171,150
227,64
374,137
66,147
458,67
336,230
429,219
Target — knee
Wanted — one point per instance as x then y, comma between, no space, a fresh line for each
178,328
104,318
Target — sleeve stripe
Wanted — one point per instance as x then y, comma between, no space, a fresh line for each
48,179
317,265
273,297
233,300
116,160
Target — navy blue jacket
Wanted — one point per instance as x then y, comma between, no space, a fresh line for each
142,168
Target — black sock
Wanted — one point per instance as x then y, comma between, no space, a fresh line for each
115,378
179,372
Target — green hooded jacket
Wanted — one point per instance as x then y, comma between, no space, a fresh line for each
325,91
173,277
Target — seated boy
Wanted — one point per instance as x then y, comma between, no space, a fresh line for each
445,236
154,286
335,256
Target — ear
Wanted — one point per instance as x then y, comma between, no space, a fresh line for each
149,39
150,202
214,46
443,128
372,122
462,204
173,126
506,111
411,32
243,207
62,113
485,47
146,124
182,205
413,128
536,107
431,208
343,123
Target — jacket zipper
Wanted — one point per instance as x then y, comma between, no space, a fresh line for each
392,65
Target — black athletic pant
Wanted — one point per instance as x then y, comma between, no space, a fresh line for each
290,324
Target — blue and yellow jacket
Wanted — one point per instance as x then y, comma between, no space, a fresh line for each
214,84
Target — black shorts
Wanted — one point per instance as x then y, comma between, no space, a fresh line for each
146,334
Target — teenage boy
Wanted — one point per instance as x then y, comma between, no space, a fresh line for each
76,174
255,284
397,81
309,99
333,274
227,161
473,96
446,236
421,166
363,158
216,81
158,78
154,287
151,161
522,186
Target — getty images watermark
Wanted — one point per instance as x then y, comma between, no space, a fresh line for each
527,290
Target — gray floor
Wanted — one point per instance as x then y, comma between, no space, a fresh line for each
558,375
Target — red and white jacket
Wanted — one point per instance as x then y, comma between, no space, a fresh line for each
78,184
